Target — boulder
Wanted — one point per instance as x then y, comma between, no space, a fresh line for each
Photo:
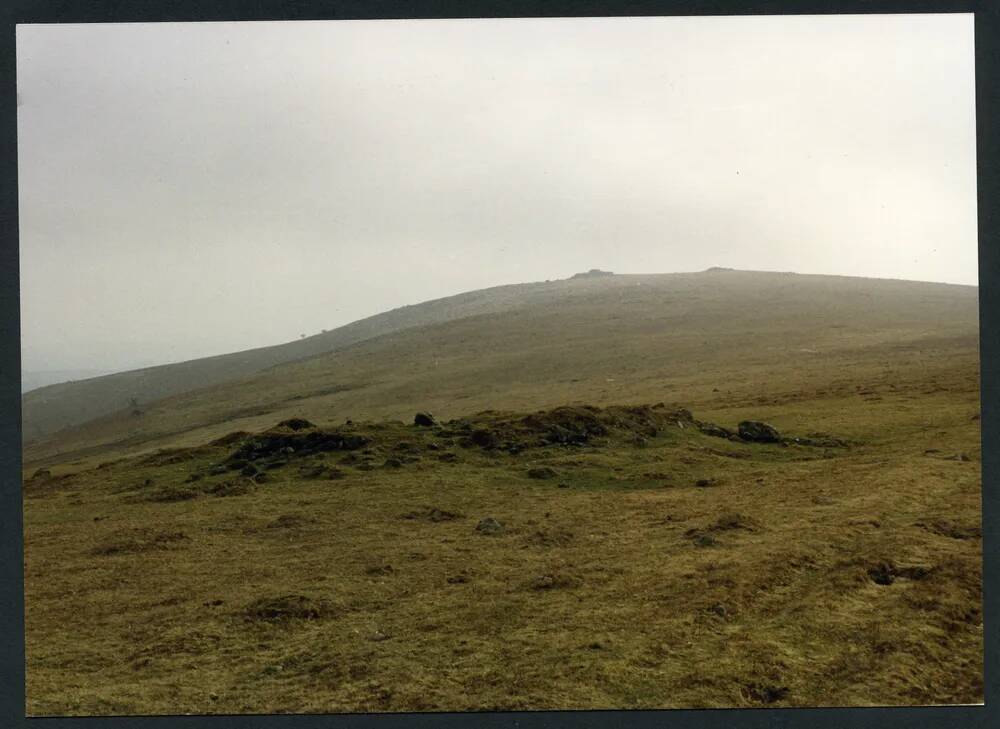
758,432
489,525
295,424
424,419
714,430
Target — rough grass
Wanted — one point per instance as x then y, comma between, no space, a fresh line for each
617,581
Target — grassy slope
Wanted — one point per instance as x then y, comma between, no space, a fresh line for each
54,407
616,339
139,605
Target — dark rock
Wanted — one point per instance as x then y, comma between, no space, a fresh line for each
714,430
882,574
766,694
296,424
274,443
758,432
424,419
489,525
484,438
393,463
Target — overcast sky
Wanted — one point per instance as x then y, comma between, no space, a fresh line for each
199,188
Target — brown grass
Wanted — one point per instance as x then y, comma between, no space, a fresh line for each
375,592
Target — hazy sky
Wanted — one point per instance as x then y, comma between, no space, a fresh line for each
199,188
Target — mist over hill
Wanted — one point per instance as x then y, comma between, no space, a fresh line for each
53,407
600,338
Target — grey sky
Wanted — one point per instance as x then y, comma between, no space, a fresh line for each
194,189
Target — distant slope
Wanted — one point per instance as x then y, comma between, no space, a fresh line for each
680,337
33,379
49,409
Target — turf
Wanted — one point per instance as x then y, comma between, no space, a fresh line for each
636,563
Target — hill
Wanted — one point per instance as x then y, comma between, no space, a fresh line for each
595,516
598,339
48,409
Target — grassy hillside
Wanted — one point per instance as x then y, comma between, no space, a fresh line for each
648,565
49,409
568,535
687,337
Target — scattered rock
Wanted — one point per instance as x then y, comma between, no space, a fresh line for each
283,443
489,525
424,419
758,432
484,438
295,424
379,570
706,482
885,573
882,574
459,579
716,431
